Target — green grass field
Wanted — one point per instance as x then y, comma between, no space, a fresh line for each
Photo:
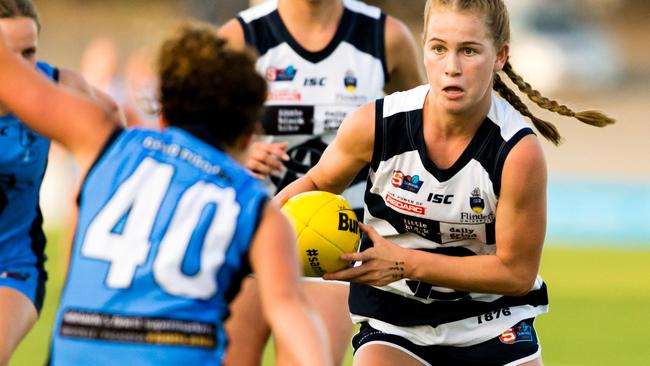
600,307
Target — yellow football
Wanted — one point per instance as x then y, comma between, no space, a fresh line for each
325,227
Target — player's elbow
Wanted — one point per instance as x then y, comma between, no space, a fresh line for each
520,285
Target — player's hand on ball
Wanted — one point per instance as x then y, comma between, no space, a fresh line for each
266,158
381,264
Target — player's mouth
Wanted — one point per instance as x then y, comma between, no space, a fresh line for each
453,91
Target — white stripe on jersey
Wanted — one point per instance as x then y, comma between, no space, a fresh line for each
363,8
259,11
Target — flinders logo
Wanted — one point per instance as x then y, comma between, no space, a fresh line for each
476,202
350,81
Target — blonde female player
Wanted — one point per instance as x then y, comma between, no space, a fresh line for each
455,203
322,59
23,158
169,222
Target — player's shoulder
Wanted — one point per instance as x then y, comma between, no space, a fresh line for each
507,118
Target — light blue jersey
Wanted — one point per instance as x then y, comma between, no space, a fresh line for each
165,226
23,158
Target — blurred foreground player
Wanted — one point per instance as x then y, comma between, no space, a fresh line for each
168,221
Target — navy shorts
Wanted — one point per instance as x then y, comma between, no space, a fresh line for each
515,346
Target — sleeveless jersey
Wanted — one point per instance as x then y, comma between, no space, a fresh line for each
413,203
165,226
311,92
23,158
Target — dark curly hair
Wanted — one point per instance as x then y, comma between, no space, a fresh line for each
207,88
19,8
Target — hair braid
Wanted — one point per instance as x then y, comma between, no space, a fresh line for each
547,129
593,118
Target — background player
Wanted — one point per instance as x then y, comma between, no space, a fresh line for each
455,203
23,157
168,220
322,59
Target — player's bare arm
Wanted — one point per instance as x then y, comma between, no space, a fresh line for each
519,240
76,82
78,122
274,260
233,33
402,57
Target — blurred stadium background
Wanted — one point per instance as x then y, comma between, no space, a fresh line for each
591,54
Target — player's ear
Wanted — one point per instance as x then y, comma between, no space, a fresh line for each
502,57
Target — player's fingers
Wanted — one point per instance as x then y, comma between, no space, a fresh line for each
259,167
278,150
348,274
373,235
353,257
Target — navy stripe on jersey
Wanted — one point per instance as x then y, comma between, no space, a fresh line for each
363,32
501,156
398,310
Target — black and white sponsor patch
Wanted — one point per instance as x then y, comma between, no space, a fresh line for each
137,329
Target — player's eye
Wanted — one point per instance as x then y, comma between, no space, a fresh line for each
468,51
438,49
28,53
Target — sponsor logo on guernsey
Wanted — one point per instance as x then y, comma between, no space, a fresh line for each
444,199
406,182
285,95
405,206
286,74
521,332
351,98
476,202
314,81
350,81
476,216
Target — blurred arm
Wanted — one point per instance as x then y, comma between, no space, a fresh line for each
275,262
77,122
233,33
342,160
405,68
76,82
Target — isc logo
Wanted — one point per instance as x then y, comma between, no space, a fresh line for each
440,198
348,224
314,81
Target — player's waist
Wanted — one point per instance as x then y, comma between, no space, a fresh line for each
460,333
434,306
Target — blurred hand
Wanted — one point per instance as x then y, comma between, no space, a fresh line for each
266,158
381,264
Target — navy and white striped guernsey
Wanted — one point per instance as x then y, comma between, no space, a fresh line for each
310,93
413,203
